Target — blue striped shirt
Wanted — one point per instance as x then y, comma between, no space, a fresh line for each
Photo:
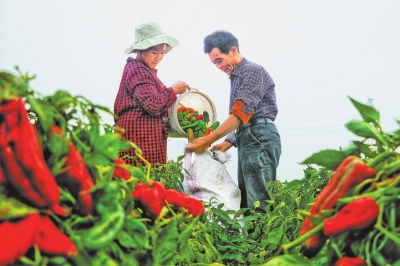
252,84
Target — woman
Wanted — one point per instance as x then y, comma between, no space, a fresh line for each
143,100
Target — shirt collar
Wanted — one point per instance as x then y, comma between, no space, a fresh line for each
238,69
153,71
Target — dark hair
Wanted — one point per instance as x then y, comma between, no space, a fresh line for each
221,39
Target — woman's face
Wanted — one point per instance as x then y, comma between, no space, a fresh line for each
153,56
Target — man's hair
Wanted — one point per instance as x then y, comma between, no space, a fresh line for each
221,39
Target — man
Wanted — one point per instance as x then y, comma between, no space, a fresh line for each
250,124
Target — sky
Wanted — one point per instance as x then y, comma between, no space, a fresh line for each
317,52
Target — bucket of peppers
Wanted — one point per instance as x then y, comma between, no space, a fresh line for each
195,122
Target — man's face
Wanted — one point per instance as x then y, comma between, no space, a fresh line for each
224,62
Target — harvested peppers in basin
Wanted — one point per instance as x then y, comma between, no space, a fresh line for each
194,123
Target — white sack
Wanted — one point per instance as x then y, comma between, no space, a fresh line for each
208,177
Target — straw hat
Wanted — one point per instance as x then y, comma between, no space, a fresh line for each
148,35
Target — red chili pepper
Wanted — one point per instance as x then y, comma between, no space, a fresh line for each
178,199
77,178
199,117
180,109
17,238
208,131
150,198
191,110
79,172
357,214
51,240
16,177
312,245
119,171
24,141
349,173
347,261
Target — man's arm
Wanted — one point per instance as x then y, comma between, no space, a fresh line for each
201,144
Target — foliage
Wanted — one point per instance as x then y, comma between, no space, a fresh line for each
378,244
137,241
219,237
250,238
170,174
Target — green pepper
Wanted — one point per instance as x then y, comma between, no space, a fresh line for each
184,122
112,218
214,126
136,235
201,124
191,125
206,116
200,134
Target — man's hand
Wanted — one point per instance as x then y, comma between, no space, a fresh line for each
224,146
198,145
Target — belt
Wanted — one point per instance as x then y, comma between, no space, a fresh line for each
256,121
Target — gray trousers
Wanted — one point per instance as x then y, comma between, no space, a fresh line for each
259,150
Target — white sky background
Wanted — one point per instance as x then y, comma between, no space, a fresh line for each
317,52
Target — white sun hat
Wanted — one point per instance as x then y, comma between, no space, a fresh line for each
148,35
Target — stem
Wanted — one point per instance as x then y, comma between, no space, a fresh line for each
390,235
302,238
386,154
27,261
83,145
138,153
335,247
392,215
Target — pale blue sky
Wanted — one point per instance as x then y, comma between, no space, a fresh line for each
317,52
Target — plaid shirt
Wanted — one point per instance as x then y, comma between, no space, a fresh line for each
142,106
252,84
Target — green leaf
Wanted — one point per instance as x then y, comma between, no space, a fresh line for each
352,149
127,241
222,214
292,185
274,236
364,129
368,113
166,243
326,158
39,107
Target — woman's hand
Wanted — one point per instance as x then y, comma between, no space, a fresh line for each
180,87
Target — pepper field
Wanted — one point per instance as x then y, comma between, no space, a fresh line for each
66,198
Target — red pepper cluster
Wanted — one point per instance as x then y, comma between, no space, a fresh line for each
358,214
33,230
23,165
153,197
